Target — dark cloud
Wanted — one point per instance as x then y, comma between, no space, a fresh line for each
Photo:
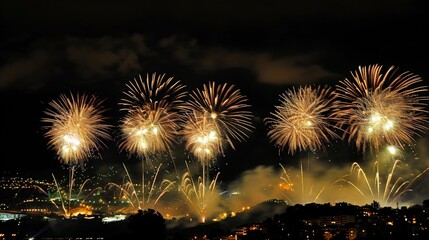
103,56
73,59
268,68
100,58
278,42
21,72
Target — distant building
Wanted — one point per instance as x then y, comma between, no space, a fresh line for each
6,216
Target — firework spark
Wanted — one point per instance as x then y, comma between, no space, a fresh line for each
153,111
300,122
298,189
202,137
76,127
218,115
379,108
195,193
153,191
385,191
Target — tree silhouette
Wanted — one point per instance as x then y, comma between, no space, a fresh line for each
147,223
426,203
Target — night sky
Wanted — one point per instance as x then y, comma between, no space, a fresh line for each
263,47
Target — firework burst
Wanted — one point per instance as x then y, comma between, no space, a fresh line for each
218,115
202,137
76,127
152,115
300,122
379,108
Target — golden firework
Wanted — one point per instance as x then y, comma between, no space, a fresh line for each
202,137
218,115
76,127
302,121
153,111
379,108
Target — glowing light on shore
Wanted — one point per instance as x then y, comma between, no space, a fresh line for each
378,108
